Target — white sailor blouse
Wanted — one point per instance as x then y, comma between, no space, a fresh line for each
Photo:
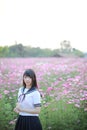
29,99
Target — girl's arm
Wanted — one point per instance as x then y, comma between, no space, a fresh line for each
35,110
16,109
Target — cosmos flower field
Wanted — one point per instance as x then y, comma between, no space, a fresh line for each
62,83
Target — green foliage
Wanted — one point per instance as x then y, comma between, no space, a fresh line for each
78,52
4,51
62,116
7,115
18,50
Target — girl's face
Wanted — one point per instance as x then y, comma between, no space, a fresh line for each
27,80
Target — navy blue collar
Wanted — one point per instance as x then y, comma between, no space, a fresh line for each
29,90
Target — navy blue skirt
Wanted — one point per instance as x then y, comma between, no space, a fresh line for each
28,123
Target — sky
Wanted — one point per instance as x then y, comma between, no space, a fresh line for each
44,23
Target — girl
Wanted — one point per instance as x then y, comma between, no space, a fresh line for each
29,103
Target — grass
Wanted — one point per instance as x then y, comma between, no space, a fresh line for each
62,116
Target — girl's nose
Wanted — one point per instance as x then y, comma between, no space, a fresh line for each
27,78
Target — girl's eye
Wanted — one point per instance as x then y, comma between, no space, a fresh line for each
26,77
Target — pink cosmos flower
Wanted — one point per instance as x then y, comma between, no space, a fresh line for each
6,92
49,89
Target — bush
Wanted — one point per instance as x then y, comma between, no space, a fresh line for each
7,115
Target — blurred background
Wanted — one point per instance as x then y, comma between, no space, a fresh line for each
46,28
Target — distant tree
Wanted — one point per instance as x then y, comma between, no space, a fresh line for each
4,51
32,51
65,46
16,50
56,53
20,50
47,52
78,52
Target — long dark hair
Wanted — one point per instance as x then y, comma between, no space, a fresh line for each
32,75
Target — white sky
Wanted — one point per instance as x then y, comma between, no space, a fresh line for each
44,23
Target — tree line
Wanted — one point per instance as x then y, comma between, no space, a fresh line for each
18,50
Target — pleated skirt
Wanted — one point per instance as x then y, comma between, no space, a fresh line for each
28,123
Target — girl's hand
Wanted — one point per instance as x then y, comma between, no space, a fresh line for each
16,110
18,105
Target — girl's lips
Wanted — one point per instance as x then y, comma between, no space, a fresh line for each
27,82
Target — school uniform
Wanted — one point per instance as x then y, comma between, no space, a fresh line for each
28,99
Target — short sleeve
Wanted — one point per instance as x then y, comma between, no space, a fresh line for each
37,99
